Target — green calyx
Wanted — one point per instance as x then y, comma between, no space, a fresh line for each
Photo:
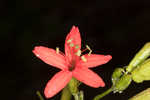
73,86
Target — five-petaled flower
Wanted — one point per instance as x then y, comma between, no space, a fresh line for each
72,64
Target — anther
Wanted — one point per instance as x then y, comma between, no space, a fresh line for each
78,53
57,50
70,40
37,55
83,59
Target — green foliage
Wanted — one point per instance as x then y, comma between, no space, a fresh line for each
144,95
142,72
143,54
137,70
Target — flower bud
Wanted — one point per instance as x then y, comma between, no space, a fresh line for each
118,72
122,83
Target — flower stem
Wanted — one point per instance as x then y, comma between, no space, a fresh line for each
39,95
98,97
76,97
79,95
66,94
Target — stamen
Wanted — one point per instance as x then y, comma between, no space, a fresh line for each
88,47
84,50
90,51
78,53
57,50
83,59
69,41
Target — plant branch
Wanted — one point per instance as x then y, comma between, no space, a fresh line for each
98,97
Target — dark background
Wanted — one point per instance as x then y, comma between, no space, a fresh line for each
116,27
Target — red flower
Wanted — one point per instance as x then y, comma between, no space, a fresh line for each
72,64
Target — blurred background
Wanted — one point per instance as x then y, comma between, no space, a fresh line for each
116,27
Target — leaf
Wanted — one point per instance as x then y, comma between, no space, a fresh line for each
144,95
143,54
142,72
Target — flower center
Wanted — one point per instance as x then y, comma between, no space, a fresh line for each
71,66
76,54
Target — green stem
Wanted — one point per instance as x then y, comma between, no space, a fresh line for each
98,97
81,95
76,96
66,94
39,95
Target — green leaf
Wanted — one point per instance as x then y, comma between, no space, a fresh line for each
143,54
144,95
142,72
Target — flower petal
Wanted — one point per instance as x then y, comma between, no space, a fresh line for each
88,77
72,38
57,83
94,60
50,57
